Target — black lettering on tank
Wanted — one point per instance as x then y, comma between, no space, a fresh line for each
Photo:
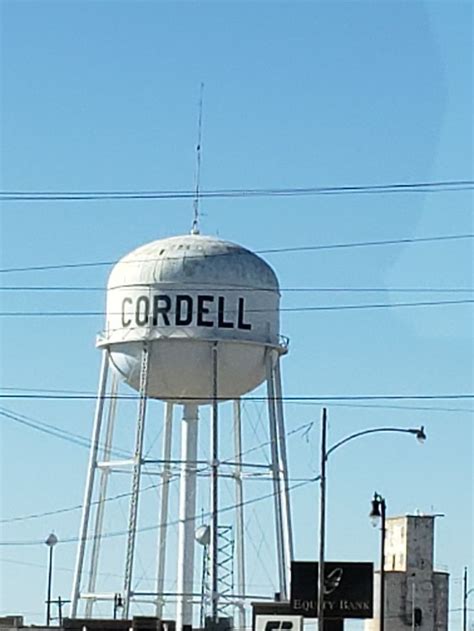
161,310
142,310
202,310
221,322
126,319
246,326
187,302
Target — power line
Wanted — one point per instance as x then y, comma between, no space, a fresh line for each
76,507
293,402
300,428
286,398
382,305
363,244
47,429
54,430
282,250
119,533
200,287
97,195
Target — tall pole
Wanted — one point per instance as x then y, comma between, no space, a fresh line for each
50,580
104,478
86,506
322,519
136,477
187,516
204,587
214,486
60,610
163,519
382,566
277,487
239,516
464,601
285,489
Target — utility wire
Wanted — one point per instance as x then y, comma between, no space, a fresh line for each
47,429
201,287
54,430
76,507
286,398
120,533
301,428
97,195
350,307
294,402
282,250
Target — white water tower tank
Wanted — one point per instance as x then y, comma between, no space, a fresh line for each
182,294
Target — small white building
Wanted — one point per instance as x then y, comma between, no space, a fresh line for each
415,594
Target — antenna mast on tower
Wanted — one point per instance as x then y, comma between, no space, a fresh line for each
195,227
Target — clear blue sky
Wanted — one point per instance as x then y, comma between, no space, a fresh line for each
103,96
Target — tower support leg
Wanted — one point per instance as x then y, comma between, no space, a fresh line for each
214,549
277,487
187,514
137,467
104,478
283,466
86,508
239,516
163,517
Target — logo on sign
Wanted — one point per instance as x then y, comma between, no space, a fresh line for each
348,589
277,625
332,580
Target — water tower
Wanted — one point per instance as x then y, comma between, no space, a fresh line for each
192,321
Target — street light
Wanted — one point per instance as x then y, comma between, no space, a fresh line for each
325,453
378,513
51,541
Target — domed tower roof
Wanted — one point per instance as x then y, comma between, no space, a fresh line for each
193,258
182,295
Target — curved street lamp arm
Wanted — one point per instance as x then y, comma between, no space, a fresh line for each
375,430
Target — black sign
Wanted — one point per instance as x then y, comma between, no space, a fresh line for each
348,589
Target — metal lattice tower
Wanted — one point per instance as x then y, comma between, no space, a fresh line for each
225,575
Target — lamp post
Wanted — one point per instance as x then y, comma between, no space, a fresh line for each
378,512
118,604
324,455
51,541
322,519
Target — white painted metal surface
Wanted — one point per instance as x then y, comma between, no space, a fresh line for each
86,507
276,477
187,515
182,294
164,506
136,480
104,479
239,516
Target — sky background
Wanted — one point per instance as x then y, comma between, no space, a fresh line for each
103,96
